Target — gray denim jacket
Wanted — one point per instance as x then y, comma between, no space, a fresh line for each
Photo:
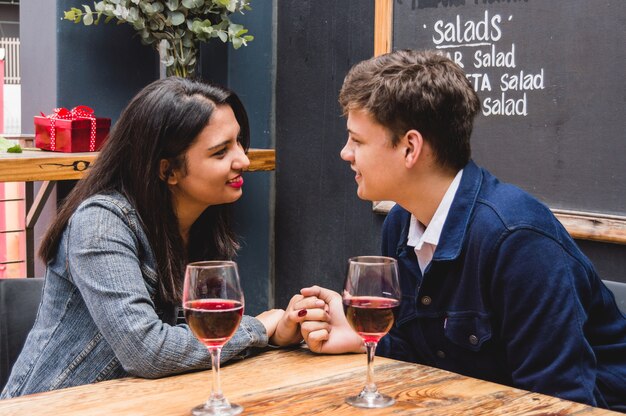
97,319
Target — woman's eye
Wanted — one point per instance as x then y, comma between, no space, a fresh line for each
220,152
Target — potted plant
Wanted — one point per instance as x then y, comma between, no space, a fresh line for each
173,27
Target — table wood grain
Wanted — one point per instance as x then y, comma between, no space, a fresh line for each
298,382
38,165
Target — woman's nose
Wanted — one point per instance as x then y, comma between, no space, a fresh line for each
241,161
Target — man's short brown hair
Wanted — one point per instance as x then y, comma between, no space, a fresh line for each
421,90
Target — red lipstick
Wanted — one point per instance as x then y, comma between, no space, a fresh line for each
236,182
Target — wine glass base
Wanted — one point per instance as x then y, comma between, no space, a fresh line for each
370,400
227,410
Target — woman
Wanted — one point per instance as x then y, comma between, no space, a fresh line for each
156,199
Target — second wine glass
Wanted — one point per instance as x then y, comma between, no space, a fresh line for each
370,295
213,304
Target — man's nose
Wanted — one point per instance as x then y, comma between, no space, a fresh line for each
346,153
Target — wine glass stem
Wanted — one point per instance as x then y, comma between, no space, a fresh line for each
216,388
370,386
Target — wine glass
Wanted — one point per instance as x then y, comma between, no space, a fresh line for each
370,295
213,304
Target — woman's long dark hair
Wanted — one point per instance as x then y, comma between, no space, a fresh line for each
161,122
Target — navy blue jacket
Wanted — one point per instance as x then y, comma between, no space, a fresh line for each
508,297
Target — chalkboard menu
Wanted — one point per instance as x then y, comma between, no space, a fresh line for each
551,77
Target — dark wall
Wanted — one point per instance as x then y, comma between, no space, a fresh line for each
319,221
101,66
251,75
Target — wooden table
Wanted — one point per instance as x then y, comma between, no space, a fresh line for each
298,382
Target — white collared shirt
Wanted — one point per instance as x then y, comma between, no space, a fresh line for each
425,240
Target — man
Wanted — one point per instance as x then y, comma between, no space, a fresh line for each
493,286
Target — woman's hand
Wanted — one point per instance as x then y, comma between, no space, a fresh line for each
270,320
335,336
300,309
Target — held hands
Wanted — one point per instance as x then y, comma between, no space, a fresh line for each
283,327
317,316
332,336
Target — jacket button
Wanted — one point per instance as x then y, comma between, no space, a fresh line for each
426,300
440,354
473,339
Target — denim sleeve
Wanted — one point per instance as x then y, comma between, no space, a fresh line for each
103,262
540,294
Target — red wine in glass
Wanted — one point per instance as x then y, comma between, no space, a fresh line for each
213,321
370,294
213,303
370,316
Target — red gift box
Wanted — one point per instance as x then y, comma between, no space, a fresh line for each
75,130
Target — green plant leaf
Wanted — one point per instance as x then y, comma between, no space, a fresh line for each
188,43
177,18
70,14
148,8
158,6
172,4
133,14
192,4
234,28
223,36
15,149
88,17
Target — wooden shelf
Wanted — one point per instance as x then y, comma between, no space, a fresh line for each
38,165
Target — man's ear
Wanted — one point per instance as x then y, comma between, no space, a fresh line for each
166,173
414,143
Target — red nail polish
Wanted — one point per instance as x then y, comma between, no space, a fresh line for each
302,312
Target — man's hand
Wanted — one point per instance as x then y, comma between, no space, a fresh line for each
334,336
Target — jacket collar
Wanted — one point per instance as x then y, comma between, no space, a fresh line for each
457,222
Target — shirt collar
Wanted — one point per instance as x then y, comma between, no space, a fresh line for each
417,235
